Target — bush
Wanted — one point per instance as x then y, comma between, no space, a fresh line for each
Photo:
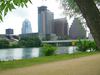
82,45
48,49
86,45
93,46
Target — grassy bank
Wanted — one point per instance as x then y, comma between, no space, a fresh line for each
41,60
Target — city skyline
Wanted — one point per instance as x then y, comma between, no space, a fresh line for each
15,18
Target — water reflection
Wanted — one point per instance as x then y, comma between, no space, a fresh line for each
9,54
35,52
6,54
18,53
68,50
27,53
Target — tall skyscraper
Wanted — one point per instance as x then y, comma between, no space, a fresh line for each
45,20
9,31
61,28
26,27
77,31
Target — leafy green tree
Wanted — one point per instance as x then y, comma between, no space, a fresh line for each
89,9
9,5
30,42
4,43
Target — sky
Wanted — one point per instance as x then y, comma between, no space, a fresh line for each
15,18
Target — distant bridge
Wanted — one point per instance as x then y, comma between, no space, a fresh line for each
63,42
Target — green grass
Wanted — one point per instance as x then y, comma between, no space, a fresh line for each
36,61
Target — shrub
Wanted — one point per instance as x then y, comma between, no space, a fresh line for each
93,46
48,49
84,45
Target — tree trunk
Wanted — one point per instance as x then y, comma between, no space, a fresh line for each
92,16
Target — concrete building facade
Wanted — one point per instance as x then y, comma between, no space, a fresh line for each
77,31
45,20
61,28
9,31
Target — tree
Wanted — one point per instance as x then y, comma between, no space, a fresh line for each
29,42
9,5
90,12
4,43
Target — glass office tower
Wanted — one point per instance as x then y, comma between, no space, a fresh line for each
26,27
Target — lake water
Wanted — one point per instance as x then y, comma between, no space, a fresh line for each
21,53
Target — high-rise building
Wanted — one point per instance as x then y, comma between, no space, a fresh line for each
77,31
26,27
9,31
45,20
61,28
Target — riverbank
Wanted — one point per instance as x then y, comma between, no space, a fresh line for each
89,65
41,60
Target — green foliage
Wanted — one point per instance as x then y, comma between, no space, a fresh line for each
84,45
15,46
30,42
93,46
71,7
23,42
9,5
48,49
97,1
4,43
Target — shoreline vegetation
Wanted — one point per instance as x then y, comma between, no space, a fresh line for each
5,65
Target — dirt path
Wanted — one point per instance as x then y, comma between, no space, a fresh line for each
82,66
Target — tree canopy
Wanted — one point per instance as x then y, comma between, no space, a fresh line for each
71,8
9,5
29,42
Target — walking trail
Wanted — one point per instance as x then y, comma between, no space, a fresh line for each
81,66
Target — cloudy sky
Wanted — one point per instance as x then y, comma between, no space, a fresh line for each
15,18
